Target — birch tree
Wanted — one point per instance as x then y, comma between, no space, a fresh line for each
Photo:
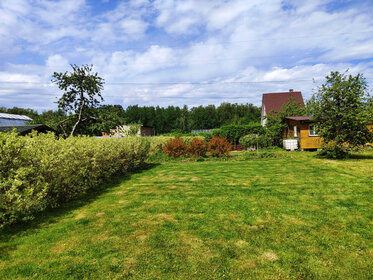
82,90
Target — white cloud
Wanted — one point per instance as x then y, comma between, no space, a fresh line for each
133,26
163,41
138,3
57,63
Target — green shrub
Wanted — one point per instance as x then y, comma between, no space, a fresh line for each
219,147
205,136
197,148
234,132
254,141
157,143
40,171
176,147
333,151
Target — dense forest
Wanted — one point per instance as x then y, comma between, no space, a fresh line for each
163,120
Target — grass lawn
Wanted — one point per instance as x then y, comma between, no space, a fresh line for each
293,217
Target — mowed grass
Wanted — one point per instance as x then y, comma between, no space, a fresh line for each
293,217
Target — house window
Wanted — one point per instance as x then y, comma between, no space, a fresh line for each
312,131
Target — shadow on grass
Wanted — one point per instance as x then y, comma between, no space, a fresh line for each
361,156
350,155
52,215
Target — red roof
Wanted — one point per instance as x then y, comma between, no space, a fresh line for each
275,101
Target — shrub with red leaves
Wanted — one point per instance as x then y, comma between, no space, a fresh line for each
219,147
197,148
175,148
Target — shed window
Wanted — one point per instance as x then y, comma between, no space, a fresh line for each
312,131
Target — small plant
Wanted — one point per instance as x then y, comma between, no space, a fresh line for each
197,148
176,147
219,147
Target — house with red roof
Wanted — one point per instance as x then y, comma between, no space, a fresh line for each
273,102
298,127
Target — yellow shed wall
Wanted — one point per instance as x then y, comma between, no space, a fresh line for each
306,141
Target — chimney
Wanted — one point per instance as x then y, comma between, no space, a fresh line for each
291,90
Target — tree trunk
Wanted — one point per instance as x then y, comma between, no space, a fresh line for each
82,102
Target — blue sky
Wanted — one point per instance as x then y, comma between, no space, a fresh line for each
169,52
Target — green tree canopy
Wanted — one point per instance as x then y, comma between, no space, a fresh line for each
82,90
339,110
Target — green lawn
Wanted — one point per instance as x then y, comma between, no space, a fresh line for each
292,217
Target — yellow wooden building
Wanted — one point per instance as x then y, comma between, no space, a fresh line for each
302,129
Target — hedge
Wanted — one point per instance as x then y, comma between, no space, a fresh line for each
40,171
233,133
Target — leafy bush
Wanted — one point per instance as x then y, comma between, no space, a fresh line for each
205,135
176,147
219,146
234,132
40,171
254,141
333,151
157,143
197,148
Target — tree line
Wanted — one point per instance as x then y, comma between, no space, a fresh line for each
163,119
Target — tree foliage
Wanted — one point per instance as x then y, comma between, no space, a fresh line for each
171,119
82,90
233,133
339,109
370,110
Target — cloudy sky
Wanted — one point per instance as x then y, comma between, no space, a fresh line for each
175,52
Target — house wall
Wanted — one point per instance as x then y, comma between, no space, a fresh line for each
289,131
306,141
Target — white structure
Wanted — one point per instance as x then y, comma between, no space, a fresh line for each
263,119
13,120
290,144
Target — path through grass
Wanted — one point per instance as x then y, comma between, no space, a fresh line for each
296,217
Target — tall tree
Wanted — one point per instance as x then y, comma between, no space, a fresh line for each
82,90
339,110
